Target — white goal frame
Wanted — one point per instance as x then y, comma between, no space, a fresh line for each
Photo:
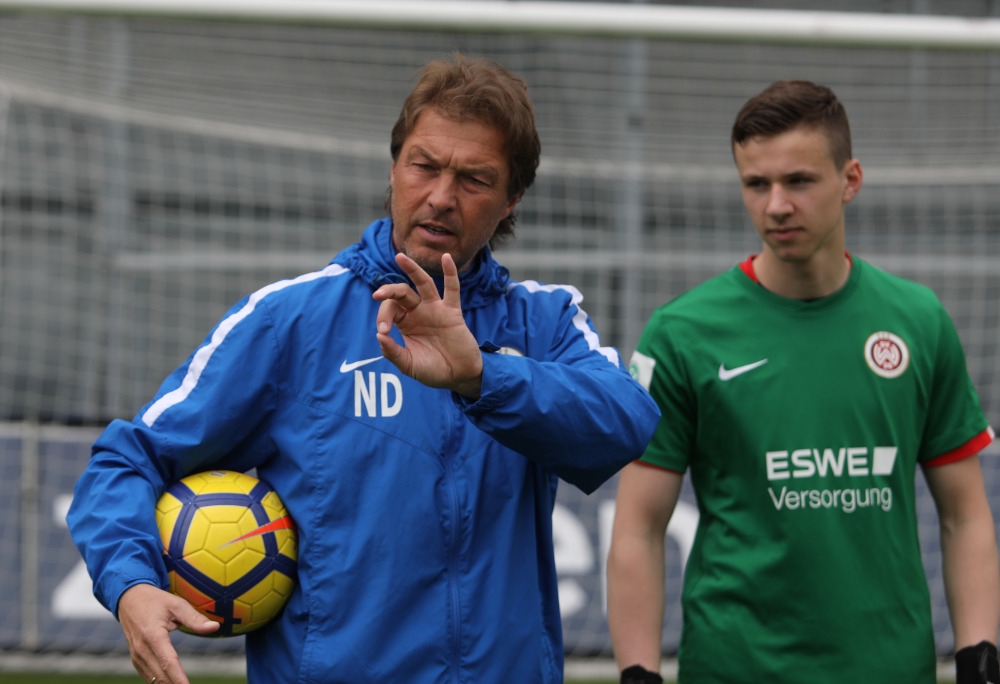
781,27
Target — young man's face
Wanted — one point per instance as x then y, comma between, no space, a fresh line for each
449,190
795,194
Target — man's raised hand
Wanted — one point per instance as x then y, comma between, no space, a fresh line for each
438,348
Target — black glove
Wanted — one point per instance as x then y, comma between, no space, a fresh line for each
636,674
976,664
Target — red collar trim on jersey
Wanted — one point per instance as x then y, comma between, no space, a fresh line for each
747,266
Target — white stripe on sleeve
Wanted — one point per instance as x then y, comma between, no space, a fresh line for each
579,318
204,354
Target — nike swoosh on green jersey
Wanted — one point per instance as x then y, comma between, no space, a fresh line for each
728,374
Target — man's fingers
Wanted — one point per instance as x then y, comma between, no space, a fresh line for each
153,655
148,614
425,284
165,659
420,278
452,289
394,353
397,292
165,667
389,312
396,300
196,622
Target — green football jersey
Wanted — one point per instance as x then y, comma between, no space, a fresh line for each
802,424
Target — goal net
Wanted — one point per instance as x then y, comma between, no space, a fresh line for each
156,165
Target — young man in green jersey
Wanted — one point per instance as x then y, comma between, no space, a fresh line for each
802,389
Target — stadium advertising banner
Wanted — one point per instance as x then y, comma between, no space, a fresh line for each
49,606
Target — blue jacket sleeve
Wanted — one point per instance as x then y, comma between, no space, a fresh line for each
191,424
572,408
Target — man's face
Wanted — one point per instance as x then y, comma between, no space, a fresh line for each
795,194
449,190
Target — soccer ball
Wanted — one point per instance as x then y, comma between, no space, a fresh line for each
230,548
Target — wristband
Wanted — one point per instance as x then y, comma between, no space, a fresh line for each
977,664
637,674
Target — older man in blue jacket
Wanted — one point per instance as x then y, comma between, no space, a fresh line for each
412,406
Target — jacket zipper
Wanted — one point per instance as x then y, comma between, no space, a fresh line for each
454,570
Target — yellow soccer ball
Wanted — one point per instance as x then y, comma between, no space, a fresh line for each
230,548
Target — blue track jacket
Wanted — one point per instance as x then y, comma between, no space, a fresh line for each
424,519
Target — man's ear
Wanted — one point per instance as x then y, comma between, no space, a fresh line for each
854,177
511,203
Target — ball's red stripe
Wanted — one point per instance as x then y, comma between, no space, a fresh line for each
284,523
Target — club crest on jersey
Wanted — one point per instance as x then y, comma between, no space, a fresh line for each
641,367
886,354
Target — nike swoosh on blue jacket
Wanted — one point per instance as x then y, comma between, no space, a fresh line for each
424,520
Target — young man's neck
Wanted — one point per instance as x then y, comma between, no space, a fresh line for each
814,279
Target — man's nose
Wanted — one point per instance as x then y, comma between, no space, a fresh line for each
443,192
778,203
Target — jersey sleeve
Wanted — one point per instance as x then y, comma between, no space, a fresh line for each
956,425
660,367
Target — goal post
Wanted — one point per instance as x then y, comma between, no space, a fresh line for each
610,20
161,159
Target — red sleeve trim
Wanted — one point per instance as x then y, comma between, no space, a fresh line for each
970,448
658,467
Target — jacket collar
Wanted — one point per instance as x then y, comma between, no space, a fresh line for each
373,259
